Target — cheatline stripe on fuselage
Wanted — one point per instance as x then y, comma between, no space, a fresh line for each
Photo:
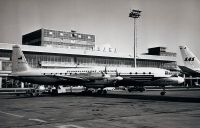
139,76
143,78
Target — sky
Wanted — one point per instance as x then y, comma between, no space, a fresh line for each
168,23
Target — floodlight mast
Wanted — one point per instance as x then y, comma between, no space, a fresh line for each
135,14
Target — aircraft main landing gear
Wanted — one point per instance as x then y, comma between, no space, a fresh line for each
104,92
54,91
87,92
101,91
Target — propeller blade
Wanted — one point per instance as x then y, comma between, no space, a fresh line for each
105,70
117,74
103,74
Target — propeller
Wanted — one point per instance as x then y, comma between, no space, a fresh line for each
118,77
117,74
107,76
104,73
105,70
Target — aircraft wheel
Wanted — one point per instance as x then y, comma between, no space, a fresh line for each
142,89
99,92
83,92
89,92
34,93
104,92
162,93
54,92
29,94
129,90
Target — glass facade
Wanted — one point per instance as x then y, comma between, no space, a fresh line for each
38,60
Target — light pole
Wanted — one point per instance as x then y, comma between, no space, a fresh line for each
135,14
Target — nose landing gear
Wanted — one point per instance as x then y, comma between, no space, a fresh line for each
163,92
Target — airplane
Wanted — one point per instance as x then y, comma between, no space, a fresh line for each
91,77
191,62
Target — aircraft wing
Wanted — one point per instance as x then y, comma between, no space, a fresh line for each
129,81
71,78
189,71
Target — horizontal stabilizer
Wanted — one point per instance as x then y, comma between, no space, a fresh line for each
189,71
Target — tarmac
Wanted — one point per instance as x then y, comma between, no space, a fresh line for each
118,109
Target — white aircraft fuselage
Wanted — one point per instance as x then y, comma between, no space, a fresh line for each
93,76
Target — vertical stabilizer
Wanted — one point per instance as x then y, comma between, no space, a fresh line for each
19,62
190,60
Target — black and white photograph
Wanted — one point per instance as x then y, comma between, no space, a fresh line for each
99,63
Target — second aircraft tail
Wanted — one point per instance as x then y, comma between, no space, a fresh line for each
190,60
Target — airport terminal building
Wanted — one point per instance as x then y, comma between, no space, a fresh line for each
47,48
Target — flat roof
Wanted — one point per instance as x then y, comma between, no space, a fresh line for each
80,52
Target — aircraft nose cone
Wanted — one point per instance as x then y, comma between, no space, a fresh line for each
180,80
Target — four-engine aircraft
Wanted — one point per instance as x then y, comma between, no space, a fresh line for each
91,77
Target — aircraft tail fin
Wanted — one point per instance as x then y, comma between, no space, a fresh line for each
19,62
190,60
